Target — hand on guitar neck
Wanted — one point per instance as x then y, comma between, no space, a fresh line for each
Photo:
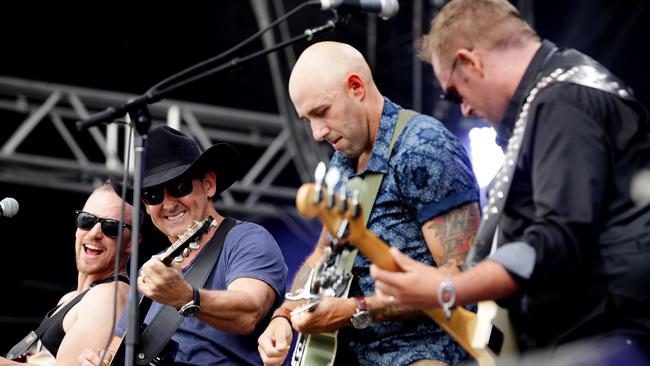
422,280
344,217
155,267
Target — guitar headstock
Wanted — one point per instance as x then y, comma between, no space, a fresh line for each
342,216
339,211
188,241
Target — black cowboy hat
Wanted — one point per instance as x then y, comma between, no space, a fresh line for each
171,154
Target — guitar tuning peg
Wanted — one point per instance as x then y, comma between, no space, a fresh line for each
355,204
194,245
331,179
178,259
343,197
186,252
319,174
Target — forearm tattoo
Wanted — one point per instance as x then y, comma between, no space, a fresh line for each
456,231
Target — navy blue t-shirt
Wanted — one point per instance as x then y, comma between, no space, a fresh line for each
249,251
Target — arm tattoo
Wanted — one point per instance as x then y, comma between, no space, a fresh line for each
456,231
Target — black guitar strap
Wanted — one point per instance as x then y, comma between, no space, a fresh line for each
164,324
23,346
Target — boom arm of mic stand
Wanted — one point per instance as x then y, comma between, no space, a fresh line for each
113,112
116,111
308,35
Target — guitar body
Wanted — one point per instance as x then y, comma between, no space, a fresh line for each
315,349
319,349
493,333
179,248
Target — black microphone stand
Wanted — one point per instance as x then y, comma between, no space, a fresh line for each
141,120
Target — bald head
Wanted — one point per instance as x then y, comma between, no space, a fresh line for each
332,89
326,66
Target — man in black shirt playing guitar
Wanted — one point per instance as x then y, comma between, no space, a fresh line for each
573,246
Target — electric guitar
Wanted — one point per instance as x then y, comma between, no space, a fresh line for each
181,248
330,277
485,335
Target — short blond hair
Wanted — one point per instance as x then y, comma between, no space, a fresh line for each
472,23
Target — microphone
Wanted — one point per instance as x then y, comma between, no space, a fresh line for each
385,9
8,207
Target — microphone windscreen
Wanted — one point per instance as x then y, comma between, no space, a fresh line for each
9,207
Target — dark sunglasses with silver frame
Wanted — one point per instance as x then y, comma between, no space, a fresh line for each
110,227
177,187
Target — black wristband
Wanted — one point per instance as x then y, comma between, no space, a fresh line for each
282,312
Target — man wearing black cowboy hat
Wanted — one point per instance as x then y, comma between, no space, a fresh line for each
222,319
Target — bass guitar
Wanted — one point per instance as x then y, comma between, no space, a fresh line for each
485,335
330,277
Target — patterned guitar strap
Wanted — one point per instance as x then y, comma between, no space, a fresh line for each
586,75
368,187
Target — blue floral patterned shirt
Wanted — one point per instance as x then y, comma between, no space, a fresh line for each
428,174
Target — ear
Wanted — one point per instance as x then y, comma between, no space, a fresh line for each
355,86
470,62
209,184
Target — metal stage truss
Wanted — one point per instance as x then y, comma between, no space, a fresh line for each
42,148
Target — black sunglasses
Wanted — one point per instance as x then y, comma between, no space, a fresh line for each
179,187
452,96
110,227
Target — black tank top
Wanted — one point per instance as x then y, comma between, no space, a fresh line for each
54,332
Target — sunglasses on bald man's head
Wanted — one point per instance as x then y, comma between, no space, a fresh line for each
110,227
179,187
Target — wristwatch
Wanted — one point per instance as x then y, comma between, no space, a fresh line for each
192,308
361,318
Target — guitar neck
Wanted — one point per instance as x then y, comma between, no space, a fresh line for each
376,250
462,323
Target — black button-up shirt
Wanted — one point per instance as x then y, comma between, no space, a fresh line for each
570,233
